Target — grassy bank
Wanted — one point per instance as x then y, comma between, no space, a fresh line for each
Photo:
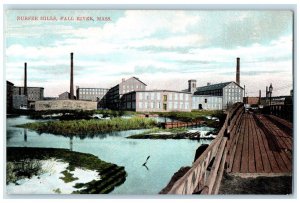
87,127
193,115
111,174
78,114
169,133
174,133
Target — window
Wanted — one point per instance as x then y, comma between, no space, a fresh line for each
181,96
152,105
186,97
175,105
158,105
158,96
186,105
147,96
176,96
205,100
152,96
170,105
165,98
165,107
142,95
146,105
181,105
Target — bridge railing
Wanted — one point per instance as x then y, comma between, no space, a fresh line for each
283,111
206,173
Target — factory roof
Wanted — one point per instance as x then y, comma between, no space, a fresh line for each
8,82
213,87
157,91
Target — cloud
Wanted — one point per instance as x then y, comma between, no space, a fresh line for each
156,46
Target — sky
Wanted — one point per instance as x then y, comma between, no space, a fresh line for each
164,49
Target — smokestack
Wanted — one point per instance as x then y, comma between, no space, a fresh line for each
238,71
71,79
25,79
259,98
266,91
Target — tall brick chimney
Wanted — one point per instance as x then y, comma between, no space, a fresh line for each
71,79
25,79
238,71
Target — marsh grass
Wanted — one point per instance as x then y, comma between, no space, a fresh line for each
193,115
88,127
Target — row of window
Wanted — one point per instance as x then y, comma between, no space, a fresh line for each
93,93
169,105
92,90
209,99
209,106
238,90
166,96
131,86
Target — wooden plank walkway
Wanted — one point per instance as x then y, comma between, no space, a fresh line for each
259,146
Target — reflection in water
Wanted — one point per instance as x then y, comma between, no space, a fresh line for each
25,134
71,143
167,156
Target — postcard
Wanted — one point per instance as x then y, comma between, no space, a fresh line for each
149,102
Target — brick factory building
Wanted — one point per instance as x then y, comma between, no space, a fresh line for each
33,93
9,96
217,96
91,94
206,102
23,100
65,105
156,101
64,95
115,93
251,100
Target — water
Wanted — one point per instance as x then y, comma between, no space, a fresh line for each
166,156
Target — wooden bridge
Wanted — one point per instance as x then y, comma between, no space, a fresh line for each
248,145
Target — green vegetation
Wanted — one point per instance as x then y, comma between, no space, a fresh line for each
111,174
86,127
150,133
25,168
79,114
192,136
192,116
68,177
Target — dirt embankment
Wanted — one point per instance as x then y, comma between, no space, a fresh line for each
281,185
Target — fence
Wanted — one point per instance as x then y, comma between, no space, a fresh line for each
179,124
282,111
206,173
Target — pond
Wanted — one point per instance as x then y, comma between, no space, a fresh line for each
166,156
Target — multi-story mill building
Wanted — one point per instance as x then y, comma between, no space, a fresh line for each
156,101
33,93
113,97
